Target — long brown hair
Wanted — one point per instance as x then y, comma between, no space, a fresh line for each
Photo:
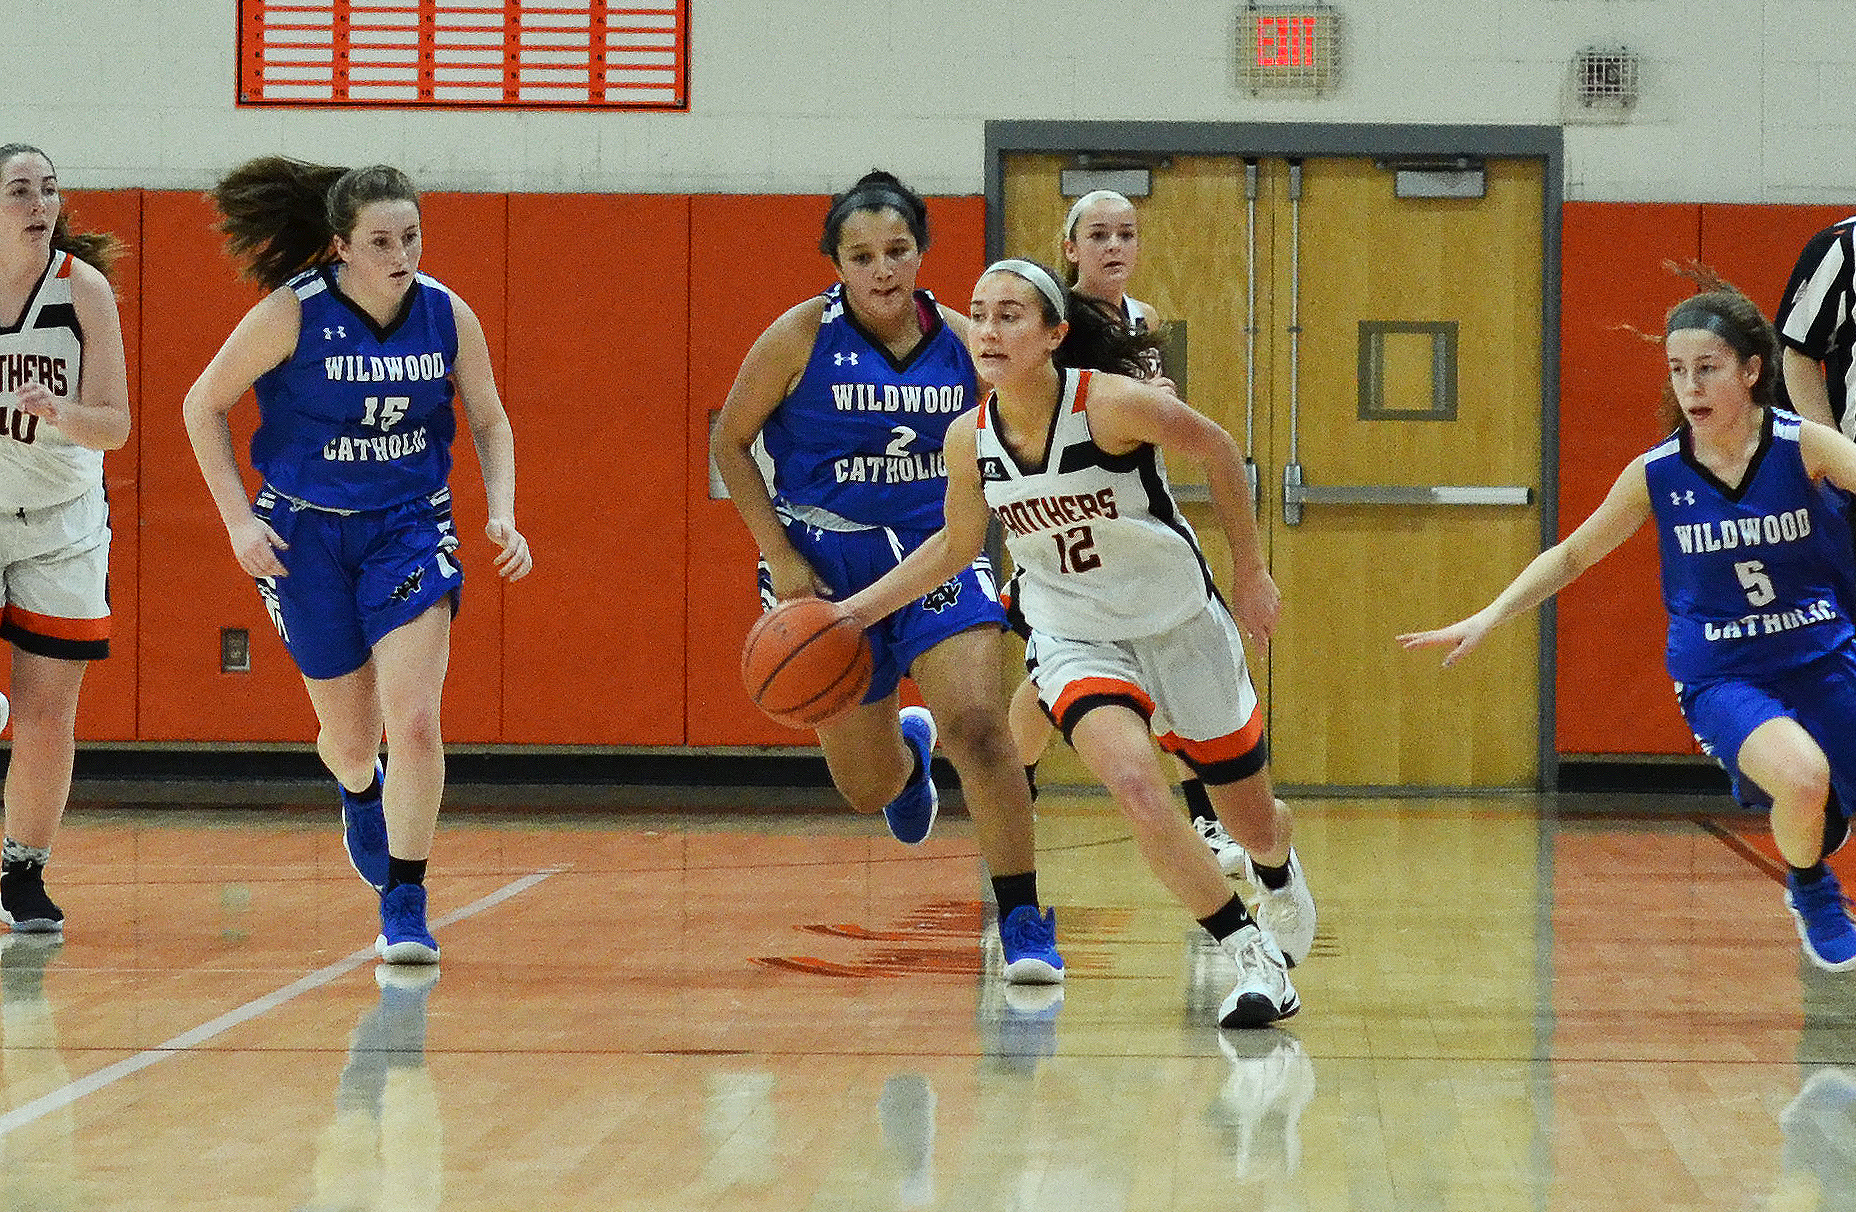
281,216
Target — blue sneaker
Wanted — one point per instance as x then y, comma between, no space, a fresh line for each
364,832
1030,945
1823,923
403,936
911,814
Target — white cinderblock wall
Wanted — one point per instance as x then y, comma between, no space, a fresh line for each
1749,101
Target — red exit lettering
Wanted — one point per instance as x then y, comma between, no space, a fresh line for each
1285,41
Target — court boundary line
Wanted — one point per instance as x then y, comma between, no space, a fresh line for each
69,1093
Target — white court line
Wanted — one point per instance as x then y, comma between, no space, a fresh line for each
69,1093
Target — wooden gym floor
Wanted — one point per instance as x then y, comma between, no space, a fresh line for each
1515,1003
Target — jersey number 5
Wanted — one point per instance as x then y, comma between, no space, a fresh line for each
1753,579
1076,550
387,412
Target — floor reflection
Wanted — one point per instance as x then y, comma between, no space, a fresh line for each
384,1149
39,1167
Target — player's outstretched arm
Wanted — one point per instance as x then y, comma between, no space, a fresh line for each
1625,508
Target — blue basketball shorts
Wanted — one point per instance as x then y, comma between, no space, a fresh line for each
354,577
1820,695
849,560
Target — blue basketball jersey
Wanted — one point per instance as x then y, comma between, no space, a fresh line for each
858,440
1750,573
360,416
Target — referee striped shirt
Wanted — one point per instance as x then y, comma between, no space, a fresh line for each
1818,315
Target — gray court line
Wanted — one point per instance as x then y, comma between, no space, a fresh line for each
69,1093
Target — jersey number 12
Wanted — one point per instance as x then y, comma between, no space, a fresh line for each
1076,550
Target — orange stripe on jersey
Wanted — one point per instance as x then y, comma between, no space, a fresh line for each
1229,748
986,407
1084,688
54,628
1082,389
64,271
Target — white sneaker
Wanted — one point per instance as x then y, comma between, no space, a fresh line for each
1223,846
1288,913
1263,994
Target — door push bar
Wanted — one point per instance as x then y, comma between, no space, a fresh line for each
1296,494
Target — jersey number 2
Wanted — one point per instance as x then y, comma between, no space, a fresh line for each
1076,550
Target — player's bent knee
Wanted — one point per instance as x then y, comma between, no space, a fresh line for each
976,736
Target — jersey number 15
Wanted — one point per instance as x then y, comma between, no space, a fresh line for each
387,411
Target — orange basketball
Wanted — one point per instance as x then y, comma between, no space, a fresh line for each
806,663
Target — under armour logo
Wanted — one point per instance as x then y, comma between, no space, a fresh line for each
1685,497
340,330
839,359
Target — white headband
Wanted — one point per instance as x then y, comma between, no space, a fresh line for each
1085,202
1036,275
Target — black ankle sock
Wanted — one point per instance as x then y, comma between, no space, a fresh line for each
1011,891
1836,825
1197,801
404,871
1228,920
1273,878
1806,876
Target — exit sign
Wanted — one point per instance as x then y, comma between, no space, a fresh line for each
1289,48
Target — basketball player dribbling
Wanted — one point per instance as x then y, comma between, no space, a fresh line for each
1129,639
850,393
1101,246
350,538
64,400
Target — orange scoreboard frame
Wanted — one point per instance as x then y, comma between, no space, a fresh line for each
467,54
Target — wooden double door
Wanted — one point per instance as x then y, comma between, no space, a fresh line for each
1379,348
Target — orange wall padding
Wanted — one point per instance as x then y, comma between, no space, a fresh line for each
1612,692
106,709
466,248
1755,247
191,587
593,649
1614,695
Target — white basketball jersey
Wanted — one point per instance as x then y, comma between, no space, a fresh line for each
39,466
1102,550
